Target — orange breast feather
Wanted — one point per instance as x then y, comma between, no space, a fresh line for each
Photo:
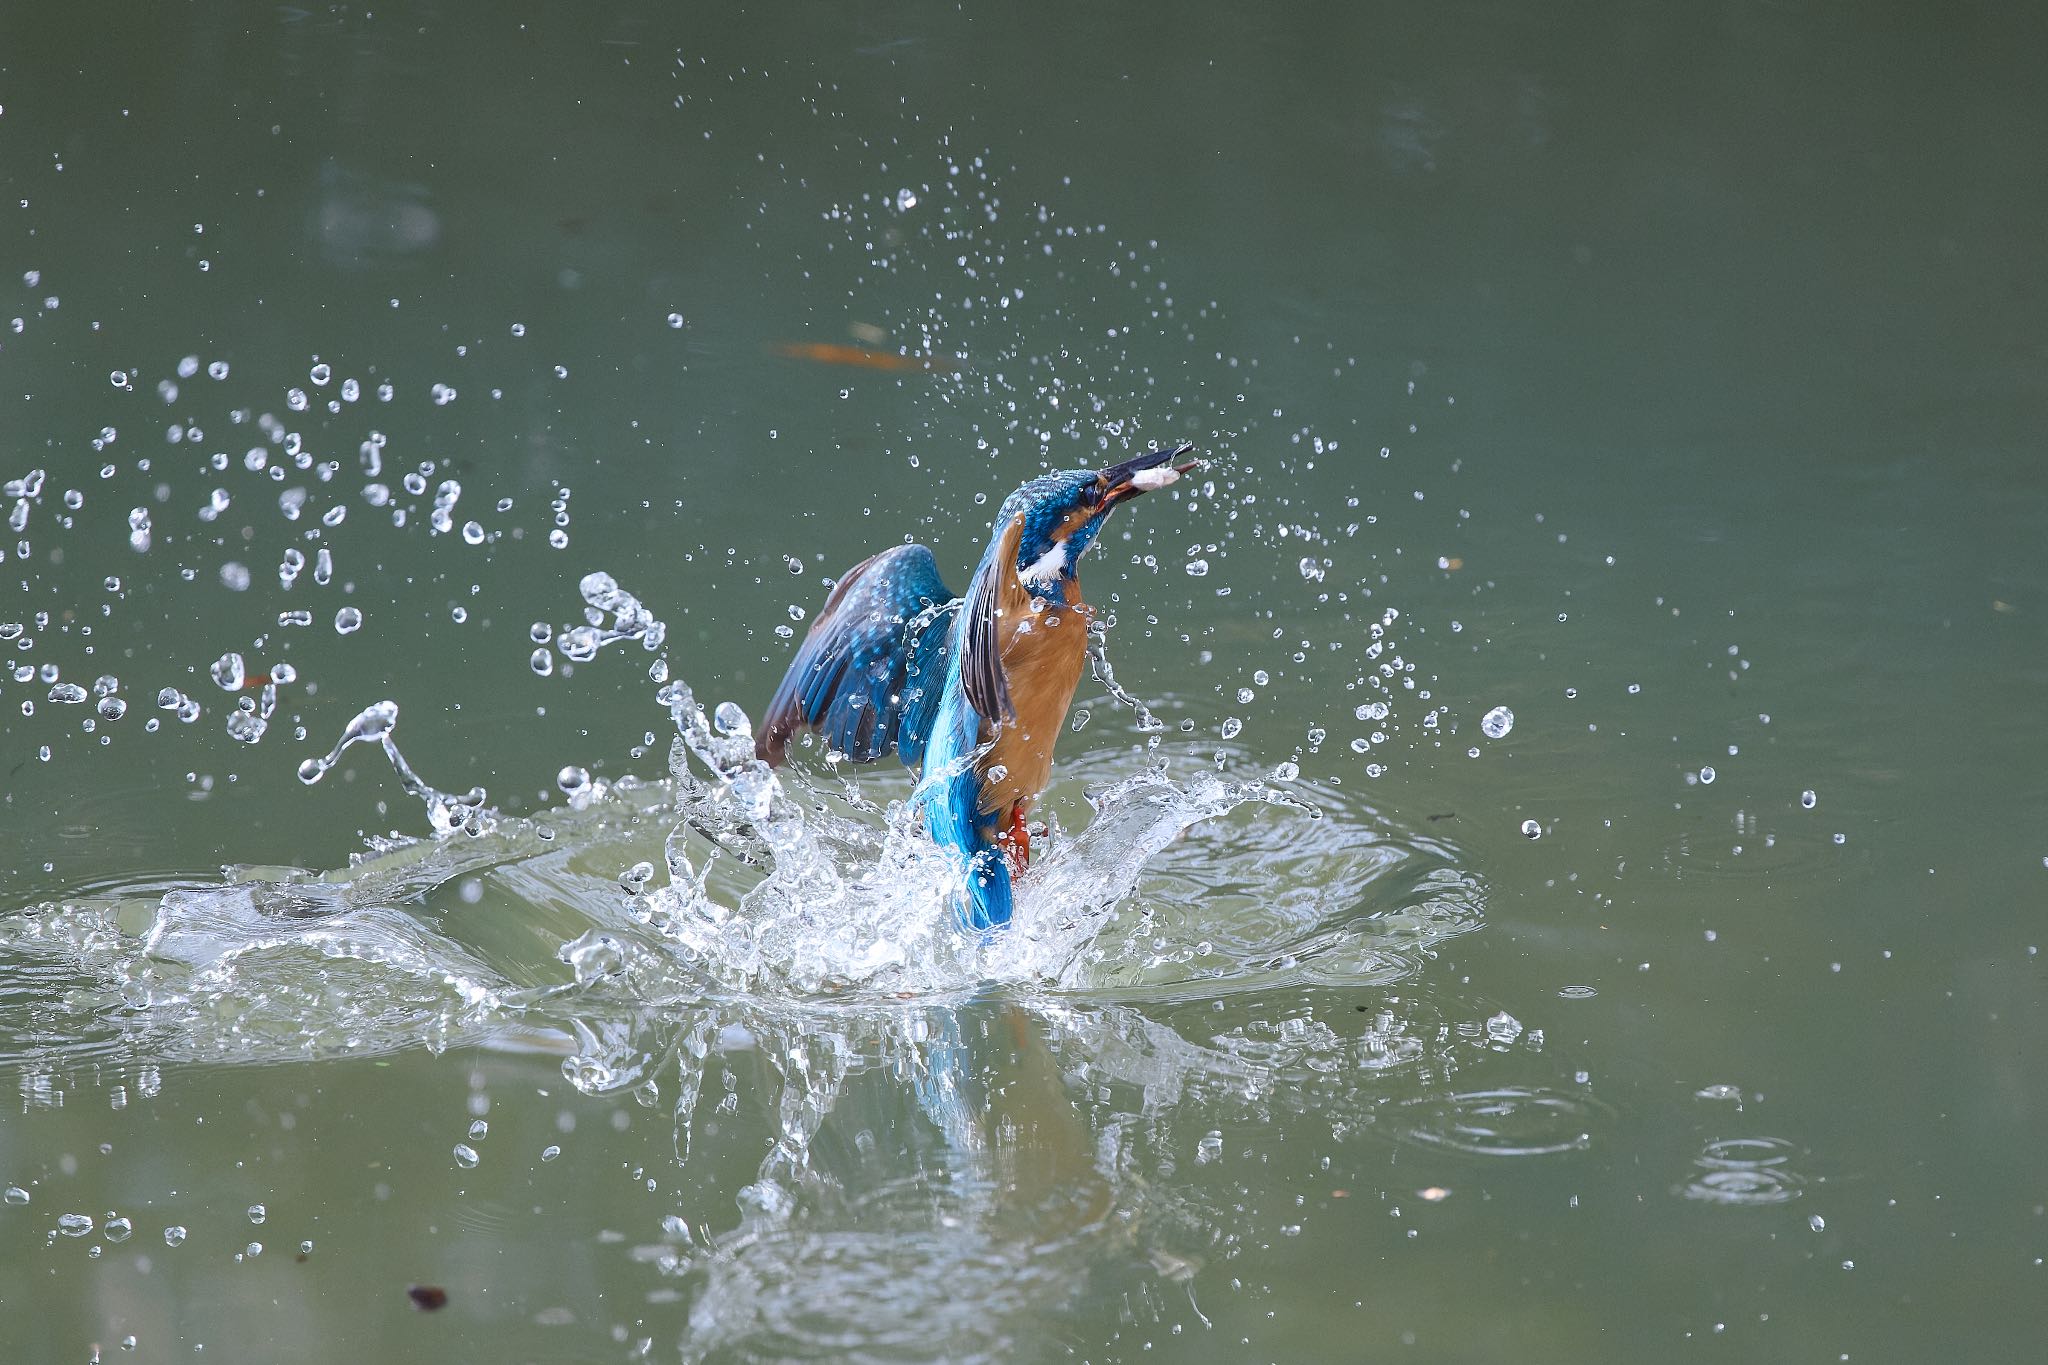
1044,647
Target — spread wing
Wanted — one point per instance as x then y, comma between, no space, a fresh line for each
869,674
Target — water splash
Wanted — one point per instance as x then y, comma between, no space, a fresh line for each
629,620
376,722
658,934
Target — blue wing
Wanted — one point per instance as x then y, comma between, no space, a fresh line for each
869,673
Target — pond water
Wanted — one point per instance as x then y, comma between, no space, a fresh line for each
1549,863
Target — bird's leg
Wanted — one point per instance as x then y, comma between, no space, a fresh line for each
1017,841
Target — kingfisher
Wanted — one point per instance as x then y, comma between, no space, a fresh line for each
970,691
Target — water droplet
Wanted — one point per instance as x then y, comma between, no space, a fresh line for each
550,1152
113,708
1496,723
1197,568
320,374
542,662
1809,799
229,673
74,1224
1707,775
675,320
16,1195
257,1213
1232,727
245,723
465,1156
906,200
572,780
174,1235
1531,830
347,621
69,693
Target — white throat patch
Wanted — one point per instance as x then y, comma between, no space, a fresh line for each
1048,567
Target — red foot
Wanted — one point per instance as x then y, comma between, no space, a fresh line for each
1017,838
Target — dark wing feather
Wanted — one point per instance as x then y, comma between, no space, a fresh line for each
868,674
981,660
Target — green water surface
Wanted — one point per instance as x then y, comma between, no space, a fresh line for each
1675,377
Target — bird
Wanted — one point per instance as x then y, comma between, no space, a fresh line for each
969,690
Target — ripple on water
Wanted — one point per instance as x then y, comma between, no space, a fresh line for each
1509,1121
938,1288
1745,1172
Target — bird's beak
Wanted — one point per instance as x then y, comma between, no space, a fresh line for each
1153,469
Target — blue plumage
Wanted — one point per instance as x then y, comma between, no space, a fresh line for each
897,662
867,676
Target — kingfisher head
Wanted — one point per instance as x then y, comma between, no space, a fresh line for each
1064,511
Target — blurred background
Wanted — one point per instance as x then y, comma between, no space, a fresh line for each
1674,379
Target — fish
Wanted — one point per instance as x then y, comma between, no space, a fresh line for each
836,353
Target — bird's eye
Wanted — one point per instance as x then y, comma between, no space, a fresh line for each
1091,494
